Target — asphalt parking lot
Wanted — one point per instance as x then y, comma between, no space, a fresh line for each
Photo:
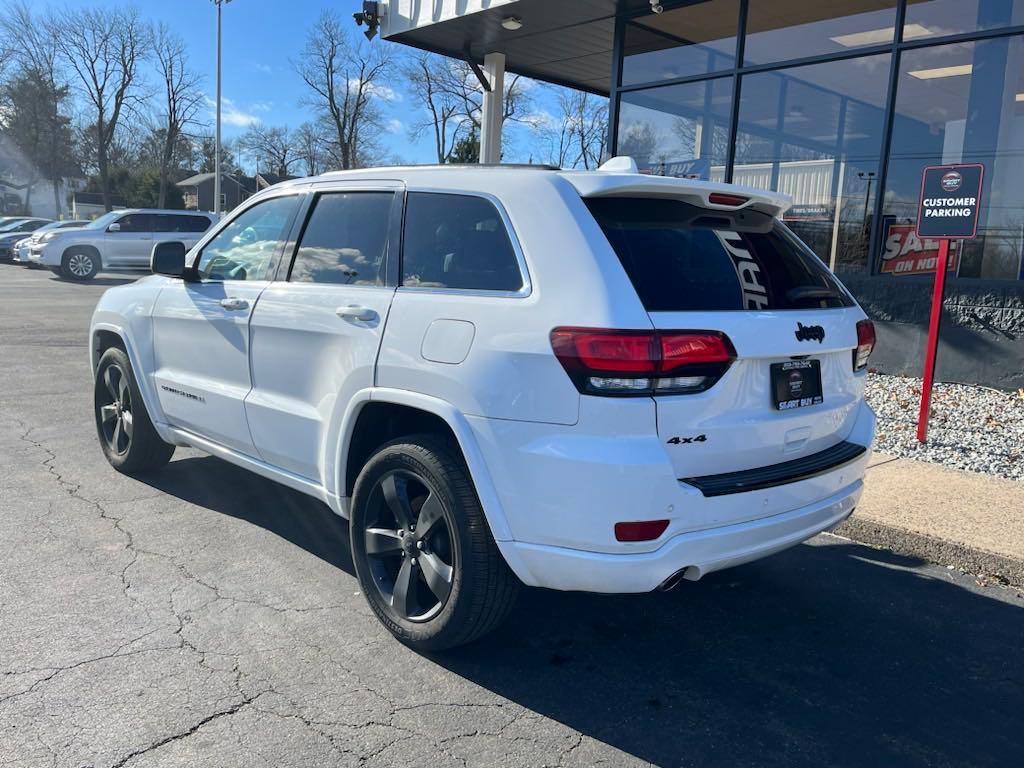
207,617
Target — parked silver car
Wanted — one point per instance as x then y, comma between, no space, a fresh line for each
23,246
117,240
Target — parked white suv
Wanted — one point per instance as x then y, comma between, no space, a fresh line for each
596,381
117,240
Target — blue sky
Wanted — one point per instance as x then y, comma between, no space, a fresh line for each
260,37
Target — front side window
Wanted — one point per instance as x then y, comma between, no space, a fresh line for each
683,258
457,241
136,222
345,240
246,249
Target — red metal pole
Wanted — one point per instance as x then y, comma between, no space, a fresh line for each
933,340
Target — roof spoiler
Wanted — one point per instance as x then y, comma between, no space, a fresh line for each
621,177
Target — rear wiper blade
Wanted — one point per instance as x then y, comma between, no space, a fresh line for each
811,292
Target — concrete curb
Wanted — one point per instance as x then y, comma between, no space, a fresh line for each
935,550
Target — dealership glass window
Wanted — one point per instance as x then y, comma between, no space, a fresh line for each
935,18
815,133
680,42
790,29
962,102
678,130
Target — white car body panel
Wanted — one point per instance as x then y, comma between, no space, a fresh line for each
307,362
201,359
278,388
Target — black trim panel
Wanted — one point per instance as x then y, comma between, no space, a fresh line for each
776,474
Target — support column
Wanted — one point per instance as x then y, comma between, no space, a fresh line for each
493,109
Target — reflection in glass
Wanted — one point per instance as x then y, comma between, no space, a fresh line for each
693,40
790,29
345,240
245,248
958,103
678,130
935,18
815,133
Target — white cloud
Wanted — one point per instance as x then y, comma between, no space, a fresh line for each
395,125
381,91
232,114
261,67
262,106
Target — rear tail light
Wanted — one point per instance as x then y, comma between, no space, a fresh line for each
865,344
645,530
606,362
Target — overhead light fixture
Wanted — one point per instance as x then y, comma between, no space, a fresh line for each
512,23
880,36
1020,97
938,72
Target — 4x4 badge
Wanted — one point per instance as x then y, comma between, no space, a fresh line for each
809,332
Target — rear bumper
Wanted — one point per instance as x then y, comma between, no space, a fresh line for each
699,552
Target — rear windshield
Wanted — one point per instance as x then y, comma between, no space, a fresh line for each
681,258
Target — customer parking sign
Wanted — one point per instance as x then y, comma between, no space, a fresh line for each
950,199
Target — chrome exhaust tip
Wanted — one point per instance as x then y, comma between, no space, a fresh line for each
672,581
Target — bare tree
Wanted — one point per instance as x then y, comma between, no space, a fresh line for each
310,140
183,98
460,82
578,135
104,48
36,58
272,147
344,79
427,75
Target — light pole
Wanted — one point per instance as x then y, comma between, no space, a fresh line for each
216,143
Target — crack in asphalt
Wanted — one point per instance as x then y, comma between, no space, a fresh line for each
293,709
235,708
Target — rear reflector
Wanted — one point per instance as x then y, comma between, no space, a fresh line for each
645,530
721,198
865,344
610,362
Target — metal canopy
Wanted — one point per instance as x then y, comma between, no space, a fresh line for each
566,42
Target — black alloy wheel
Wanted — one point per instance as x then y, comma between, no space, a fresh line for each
409,546
114,401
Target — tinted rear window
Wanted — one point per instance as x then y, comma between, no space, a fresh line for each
683,258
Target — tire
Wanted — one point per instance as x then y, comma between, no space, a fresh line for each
126,433
422,477
80,264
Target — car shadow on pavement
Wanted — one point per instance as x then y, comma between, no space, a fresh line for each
107,282
214,484
826,654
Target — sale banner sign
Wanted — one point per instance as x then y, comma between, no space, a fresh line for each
907,254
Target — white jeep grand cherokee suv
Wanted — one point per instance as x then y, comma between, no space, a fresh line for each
597,381
117,240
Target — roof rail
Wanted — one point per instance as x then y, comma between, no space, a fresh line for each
462,166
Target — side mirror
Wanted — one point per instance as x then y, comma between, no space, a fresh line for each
168,258
115,227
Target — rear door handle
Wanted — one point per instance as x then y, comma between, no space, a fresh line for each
232,304
356,312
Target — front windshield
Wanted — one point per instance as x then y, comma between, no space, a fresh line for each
10,226
103,221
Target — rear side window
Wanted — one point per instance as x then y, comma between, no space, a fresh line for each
681,258
457,241
345,240
170,222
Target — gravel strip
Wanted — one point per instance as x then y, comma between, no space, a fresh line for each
971,428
